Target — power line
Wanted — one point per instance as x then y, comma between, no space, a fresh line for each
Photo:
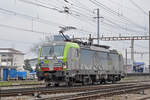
107,20
115,13
37,4
116,3
138,7
58,11
44,21
22,29
22,42
30,17
114,22
84,7
69,13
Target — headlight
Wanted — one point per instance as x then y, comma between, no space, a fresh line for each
64,66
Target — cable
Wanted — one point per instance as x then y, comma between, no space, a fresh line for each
46,6
30,17
107,19
107,24
41,6
34,18
113,12
116,3
29,2
22,42
22,29
138,7
112,19
119,26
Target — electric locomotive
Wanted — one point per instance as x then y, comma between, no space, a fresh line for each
73,62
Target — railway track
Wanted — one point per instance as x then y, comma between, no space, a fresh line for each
43,85
97,94
146,98
54,90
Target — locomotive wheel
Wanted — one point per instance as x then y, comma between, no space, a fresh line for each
69,83
48,85
56,84
103,81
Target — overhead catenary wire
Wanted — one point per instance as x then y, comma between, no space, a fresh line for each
55,8
71,14
58,10
85,15
23,29
44,6
44,21
109,10
92,12
16,41
137,6
38,5
119,26
40,20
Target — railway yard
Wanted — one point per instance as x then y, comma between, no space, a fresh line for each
74,49
131,88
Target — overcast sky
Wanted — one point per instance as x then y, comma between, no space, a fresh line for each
25,22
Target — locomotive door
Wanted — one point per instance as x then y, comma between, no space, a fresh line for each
73,58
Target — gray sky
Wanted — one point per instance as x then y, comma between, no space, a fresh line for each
125,17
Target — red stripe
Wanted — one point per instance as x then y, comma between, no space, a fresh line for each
57,68
45,69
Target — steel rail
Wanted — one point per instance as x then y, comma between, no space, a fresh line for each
109,92
102,92
54,90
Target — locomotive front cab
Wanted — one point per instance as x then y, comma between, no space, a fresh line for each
51,57
53,60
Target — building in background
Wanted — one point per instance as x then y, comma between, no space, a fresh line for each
137,67
33,62
9,59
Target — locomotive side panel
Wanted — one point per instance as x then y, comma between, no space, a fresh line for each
73,59
121,64
103,61
94,60
86,59
111,63
114,63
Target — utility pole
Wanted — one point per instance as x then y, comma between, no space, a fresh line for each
98,24
149,42
126,66
132,52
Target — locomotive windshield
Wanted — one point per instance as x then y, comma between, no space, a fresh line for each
52,51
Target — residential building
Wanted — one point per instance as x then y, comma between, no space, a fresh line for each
10,58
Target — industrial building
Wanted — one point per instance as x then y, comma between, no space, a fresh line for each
10,60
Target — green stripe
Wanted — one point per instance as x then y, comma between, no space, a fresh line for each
39,55
66,49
